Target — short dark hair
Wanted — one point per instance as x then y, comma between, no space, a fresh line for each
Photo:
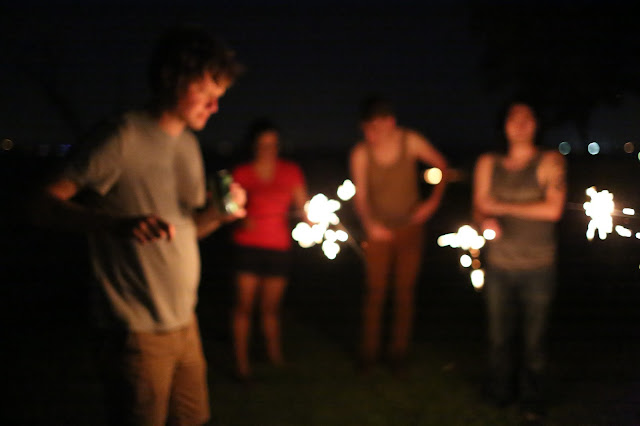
374,106
183,54
259,126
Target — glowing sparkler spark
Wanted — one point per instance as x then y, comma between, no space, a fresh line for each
321,212
623,232
468,239
347,190
489,234
599,209
477,278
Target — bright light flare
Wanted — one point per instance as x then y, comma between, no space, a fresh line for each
321,212
599,209
468,239
477,279
347,190
624,232
628,211
489,234
330,249
433,176
321,209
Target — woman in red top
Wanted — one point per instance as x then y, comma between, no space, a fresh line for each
263,242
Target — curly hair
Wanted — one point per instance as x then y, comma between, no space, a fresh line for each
183,54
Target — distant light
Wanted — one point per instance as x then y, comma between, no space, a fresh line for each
564,148
465,260
489,234
628,211
638,235
475,264
433,176
7,144
629,147
593,148
477,278
638,156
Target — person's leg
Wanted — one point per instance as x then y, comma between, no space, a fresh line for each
537,290
189,402
137,369
272,292
246,287
502,317
378,261
408,247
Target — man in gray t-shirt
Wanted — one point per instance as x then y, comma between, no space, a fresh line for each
148,174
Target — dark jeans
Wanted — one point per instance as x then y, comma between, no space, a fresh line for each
518,304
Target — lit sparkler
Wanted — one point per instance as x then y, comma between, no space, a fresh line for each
601,210
468,239
326,229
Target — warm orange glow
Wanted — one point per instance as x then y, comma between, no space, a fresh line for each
433,176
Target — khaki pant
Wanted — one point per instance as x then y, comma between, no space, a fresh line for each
392,264
155,378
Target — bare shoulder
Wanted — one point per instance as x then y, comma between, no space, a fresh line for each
414,138
553,161
358,152
485,160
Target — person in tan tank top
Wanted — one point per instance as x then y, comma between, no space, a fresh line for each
384,170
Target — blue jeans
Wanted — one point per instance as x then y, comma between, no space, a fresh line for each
518,304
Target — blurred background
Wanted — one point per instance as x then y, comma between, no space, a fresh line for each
448,66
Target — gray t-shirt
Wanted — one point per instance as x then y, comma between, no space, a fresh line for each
138,169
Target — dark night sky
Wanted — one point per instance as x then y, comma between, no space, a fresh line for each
66,66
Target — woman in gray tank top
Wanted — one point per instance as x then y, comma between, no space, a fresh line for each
521,196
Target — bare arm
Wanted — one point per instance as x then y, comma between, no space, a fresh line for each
425,152
481,195
552,175
481,187
54,207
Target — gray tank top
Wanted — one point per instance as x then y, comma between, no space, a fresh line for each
393,189
525,244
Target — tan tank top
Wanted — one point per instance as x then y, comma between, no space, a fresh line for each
393,189
525,244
